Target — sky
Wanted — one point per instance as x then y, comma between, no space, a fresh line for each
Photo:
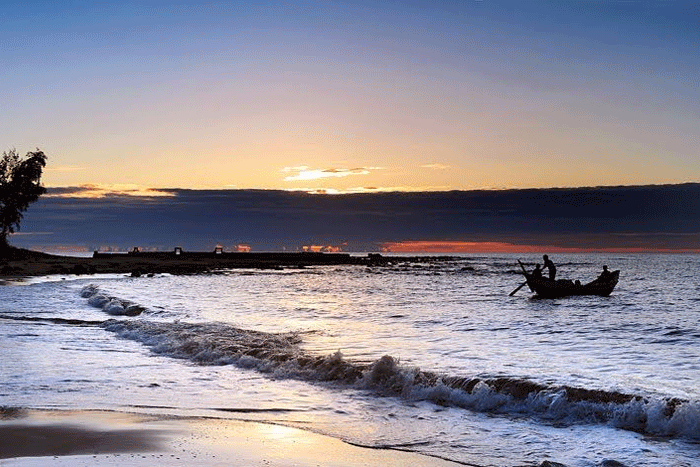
355,96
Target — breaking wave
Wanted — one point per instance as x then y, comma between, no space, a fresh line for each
110,305
280,356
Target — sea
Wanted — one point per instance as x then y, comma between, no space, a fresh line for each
430,355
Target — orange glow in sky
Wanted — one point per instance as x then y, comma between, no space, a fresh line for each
501,247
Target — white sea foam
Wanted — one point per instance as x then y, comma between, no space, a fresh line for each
98,300
110,305
280,356
89,290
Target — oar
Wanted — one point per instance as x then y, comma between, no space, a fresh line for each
522,266
519,287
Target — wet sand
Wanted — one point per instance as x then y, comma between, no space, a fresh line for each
90,438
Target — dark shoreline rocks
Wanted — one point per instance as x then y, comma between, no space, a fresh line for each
15,262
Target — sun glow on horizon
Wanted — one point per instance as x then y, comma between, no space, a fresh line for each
428,246
369,190
304,173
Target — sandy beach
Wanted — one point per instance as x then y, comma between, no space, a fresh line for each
95,437
30,437
87,438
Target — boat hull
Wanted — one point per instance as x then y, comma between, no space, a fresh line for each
546,288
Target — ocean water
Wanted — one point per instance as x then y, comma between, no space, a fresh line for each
429,356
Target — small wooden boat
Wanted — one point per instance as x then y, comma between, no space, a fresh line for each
546,288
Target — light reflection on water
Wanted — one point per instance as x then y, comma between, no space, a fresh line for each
453,318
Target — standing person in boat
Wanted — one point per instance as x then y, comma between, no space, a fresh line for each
550,266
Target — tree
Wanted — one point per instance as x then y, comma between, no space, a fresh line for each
20,185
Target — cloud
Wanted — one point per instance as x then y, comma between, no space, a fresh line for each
104,191
66,169
303,173
435,166
648,217
17,234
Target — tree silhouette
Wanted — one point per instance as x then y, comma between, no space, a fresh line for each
19,187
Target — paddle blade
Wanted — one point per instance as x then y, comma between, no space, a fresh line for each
519,287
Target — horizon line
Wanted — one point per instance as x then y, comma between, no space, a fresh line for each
426,247
96,190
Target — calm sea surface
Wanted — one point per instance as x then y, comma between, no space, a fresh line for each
432,357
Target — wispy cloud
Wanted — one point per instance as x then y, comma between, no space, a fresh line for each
65,169
435,166
104,191
19,234
302,173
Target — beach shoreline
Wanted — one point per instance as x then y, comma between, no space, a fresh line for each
33,437
16,263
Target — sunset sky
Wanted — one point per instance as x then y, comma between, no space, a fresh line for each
354,96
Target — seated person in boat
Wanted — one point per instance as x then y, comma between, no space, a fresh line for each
550,266
537,272
605,275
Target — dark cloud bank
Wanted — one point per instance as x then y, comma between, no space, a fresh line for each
665,216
